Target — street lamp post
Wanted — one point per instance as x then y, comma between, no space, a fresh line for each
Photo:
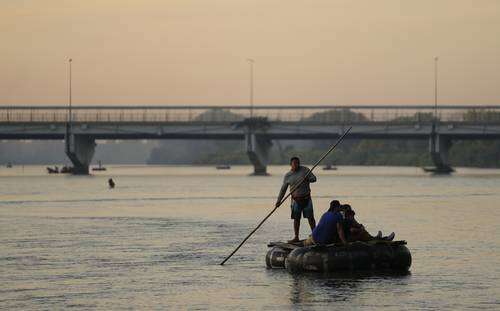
435,86
251,62
69,116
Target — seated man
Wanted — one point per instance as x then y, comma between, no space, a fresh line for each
329,229
354,231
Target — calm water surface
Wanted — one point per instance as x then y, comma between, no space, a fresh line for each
155,241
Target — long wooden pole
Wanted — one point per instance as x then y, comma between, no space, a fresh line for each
292,189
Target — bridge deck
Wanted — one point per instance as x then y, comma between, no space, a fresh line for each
283,122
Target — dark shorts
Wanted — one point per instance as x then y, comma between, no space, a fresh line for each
305,209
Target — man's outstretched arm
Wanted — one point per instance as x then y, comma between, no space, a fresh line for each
312,177
282,192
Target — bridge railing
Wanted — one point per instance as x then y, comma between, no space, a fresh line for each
211,114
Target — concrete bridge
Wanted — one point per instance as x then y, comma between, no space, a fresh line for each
81,126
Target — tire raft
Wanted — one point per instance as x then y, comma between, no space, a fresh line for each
373,255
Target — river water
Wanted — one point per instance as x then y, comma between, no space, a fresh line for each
155,241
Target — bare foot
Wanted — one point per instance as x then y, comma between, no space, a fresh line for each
390,237
295,240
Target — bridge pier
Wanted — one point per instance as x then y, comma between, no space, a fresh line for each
258,152
80,150
439,147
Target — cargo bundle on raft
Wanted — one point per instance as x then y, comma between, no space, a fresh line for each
372,255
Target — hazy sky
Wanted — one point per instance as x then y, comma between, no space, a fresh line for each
194,51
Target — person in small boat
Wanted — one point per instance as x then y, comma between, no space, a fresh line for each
354,231
301,195
330,227
111,183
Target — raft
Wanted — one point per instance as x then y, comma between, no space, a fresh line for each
372,255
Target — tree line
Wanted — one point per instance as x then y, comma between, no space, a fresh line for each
352,152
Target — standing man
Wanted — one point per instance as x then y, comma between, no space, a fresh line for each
301,195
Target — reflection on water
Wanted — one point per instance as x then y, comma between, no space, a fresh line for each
309,288
155,241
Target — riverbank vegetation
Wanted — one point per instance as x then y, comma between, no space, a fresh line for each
477,153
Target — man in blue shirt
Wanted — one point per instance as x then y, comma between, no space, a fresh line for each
329,229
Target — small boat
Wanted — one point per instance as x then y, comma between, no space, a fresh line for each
223,167
372,255
53,170
66,170
329,167
99,168
444,170
9,165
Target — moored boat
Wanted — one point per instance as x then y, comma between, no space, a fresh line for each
329,167
66,170
373,255
99,168
443,170
54,170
